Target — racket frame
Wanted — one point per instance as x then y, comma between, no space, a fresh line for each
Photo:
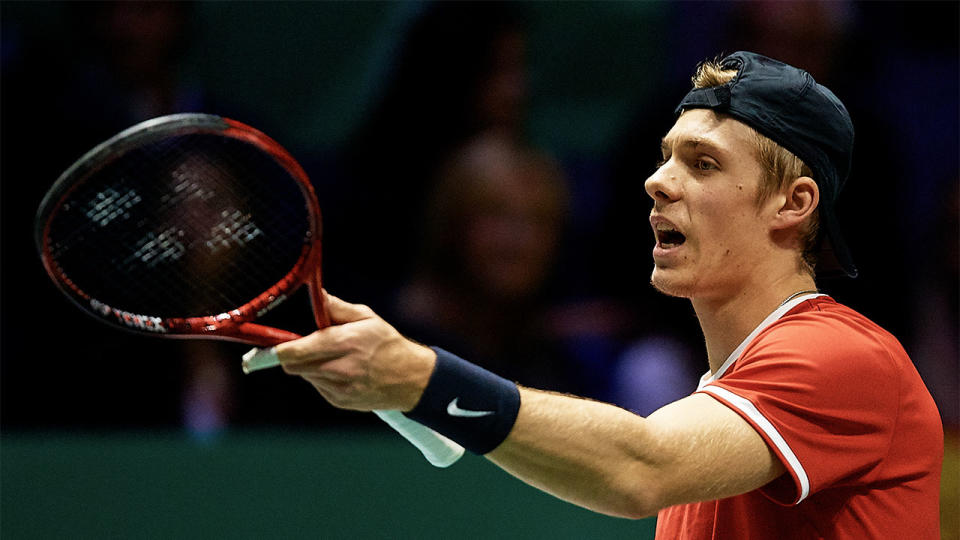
232,325
235,324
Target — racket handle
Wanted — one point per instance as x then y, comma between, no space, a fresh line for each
257,359
439,450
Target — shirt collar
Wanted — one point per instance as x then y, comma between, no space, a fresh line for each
782,310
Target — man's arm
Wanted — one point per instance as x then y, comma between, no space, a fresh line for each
593,454
612,461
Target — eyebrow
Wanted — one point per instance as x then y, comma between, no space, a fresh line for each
692,142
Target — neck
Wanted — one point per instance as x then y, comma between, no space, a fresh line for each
726,321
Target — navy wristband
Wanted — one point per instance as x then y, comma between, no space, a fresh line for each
467,404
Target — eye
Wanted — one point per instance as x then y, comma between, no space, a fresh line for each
704,165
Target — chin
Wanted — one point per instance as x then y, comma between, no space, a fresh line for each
670,284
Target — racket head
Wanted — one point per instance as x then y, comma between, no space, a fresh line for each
188,225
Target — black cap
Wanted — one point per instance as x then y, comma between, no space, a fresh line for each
786,105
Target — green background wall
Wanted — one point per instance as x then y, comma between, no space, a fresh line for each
271,485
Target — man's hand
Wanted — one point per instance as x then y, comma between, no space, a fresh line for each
360,362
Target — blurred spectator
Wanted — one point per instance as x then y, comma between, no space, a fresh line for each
115,64
486,281
460,71
482,283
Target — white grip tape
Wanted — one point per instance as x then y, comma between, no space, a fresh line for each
257,359
439,450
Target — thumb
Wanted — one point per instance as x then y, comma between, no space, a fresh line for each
344,312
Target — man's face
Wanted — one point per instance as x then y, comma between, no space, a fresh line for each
710,235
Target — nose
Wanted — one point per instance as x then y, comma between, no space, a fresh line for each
662,185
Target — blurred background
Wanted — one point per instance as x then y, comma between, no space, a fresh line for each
480,167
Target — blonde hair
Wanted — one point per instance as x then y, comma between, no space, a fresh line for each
779,164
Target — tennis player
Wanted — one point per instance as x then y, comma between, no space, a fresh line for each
811,421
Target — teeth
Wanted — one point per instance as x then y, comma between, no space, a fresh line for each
668,236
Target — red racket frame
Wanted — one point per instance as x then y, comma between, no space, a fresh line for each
234,325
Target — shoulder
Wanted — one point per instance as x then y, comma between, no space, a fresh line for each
831,336
822,352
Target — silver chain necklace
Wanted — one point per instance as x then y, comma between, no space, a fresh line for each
796,294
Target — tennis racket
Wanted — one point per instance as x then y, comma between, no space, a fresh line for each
194,226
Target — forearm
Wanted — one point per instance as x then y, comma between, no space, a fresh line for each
592,454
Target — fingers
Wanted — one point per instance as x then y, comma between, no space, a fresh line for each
330,342
329,372
309,348
344,312
327,350
353,363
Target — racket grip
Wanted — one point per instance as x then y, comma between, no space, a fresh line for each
439,450
257,359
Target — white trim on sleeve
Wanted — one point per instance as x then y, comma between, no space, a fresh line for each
748,408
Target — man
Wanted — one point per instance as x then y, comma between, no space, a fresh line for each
811,422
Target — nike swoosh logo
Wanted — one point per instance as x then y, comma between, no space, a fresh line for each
454,410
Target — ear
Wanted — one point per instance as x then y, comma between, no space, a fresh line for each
798,200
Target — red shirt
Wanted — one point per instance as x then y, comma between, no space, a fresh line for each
840,403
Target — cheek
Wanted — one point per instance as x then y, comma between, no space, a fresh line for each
728,229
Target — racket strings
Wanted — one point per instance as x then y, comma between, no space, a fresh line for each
237,227
135,242
195,181
232,226
192,224
240,228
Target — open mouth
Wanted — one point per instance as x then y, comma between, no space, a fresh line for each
668,237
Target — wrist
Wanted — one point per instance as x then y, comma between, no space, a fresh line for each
424,361
467,403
